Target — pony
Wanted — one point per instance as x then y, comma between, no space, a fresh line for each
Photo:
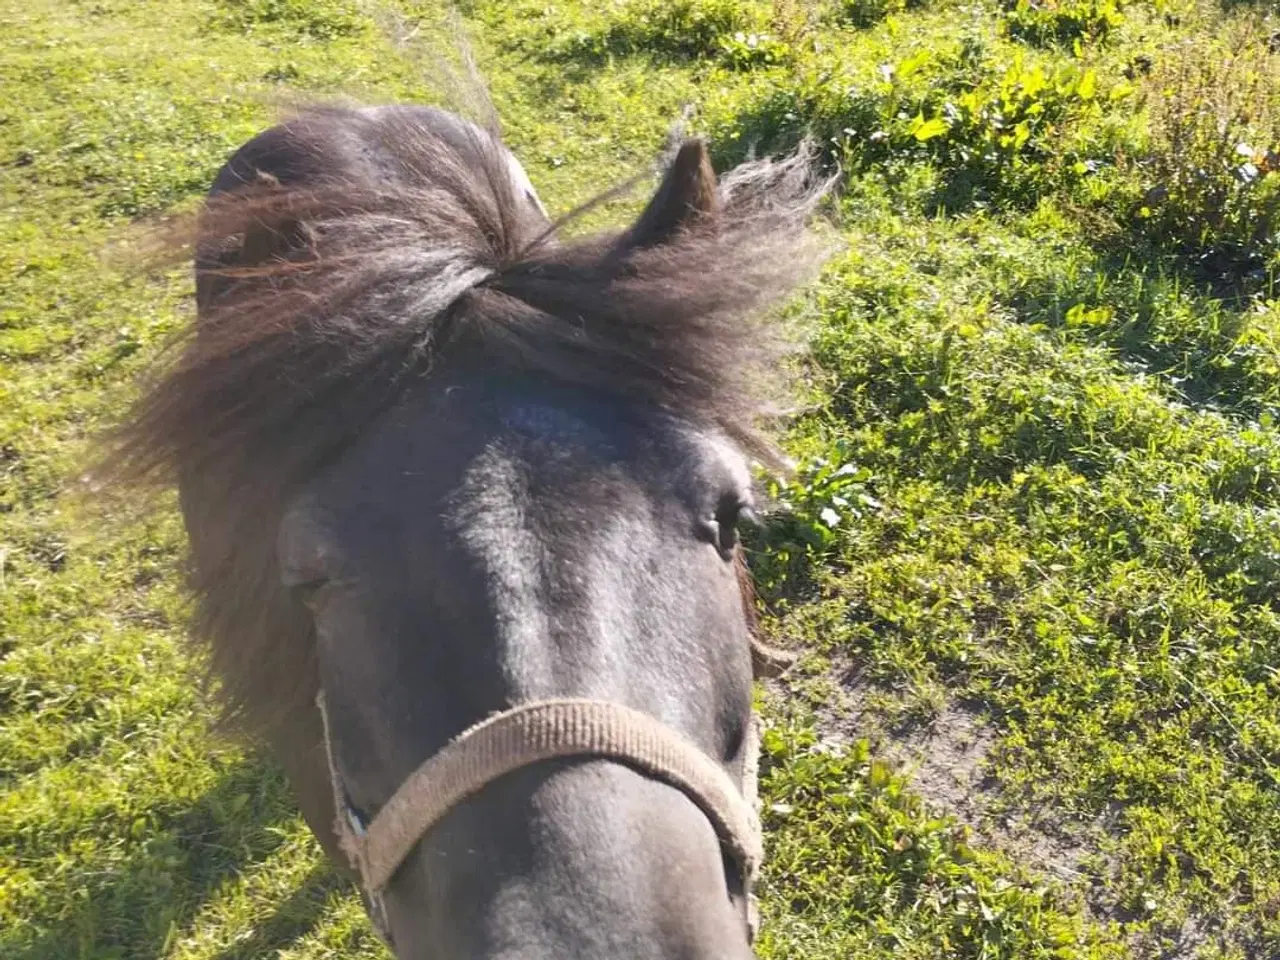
462,494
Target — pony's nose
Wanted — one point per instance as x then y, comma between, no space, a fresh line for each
569,861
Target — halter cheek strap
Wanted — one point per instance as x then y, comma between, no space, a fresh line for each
530,733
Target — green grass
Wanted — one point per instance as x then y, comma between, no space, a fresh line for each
1039,494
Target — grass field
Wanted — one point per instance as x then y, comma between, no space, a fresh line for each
1031,554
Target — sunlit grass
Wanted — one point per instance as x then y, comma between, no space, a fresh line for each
1059,515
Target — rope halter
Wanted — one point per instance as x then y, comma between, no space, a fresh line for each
528,734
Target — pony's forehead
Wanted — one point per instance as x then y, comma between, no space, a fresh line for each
708,453
557,424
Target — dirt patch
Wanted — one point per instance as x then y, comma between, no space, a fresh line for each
945,752
946,759
1186,944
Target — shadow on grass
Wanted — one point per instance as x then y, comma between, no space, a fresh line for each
177,860
292,919
1161,314
781,560
670,42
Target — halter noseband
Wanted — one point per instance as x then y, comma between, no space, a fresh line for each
527,734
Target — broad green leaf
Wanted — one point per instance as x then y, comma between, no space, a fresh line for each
928,129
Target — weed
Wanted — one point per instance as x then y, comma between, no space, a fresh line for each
1066,22
1211,174
867,13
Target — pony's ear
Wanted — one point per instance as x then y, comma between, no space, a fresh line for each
687,194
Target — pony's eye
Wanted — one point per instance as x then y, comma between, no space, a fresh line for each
723,526
357,819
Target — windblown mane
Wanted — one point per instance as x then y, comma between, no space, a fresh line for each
369,271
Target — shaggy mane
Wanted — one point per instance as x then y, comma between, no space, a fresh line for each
372,272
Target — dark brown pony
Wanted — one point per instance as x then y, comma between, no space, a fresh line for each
436,461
